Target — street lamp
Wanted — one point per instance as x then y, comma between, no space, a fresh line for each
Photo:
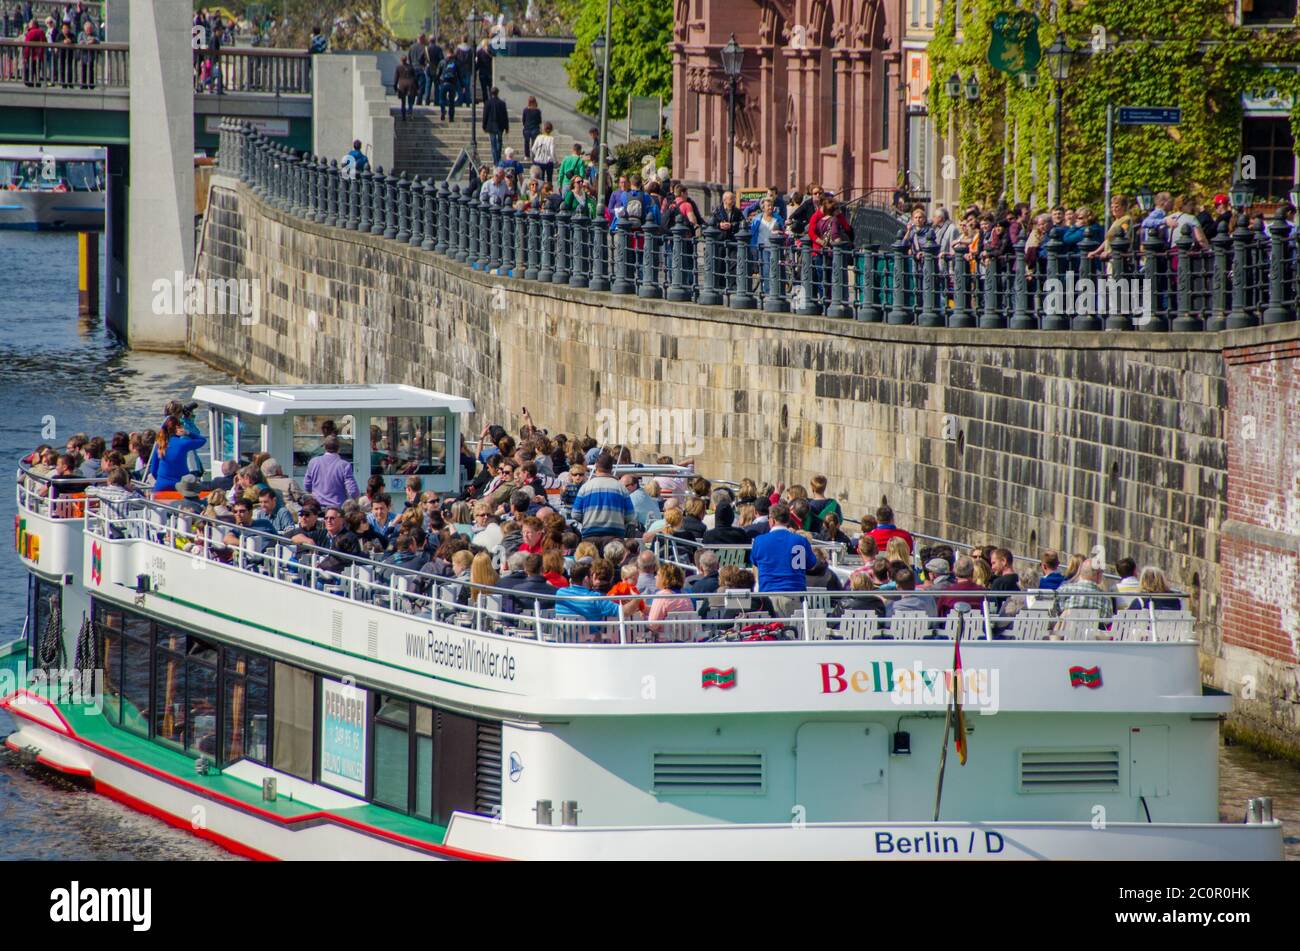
953,86
1029,80
471,22
600,48
1241,193
1058,63
733,56
1294,195
972,88
1145,198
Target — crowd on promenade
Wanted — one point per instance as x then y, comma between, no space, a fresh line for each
74,31
545,514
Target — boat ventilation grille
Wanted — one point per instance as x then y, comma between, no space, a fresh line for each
487,775
715,772
1069,770
336,630
372,638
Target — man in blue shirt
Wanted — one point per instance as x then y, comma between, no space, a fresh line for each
1052,577
782,558
579,601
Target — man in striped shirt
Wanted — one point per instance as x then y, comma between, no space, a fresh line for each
603,508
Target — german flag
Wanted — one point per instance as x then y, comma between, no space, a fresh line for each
959,718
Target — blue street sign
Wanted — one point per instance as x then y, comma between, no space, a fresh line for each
1149,115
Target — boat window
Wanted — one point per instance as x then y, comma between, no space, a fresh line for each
108,627
84,176
241,437
201,715
424,762
392,754
295,716
135,685
169,697
247,697
309,436
44,606
408,445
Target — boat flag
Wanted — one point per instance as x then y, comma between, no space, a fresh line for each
1089,677
959,718
716,677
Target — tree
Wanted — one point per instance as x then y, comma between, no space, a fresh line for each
639,63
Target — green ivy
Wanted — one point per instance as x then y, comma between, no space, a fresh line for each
1188,54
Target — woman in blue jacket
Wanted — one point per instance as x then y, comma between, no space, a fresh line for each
170,462
761,228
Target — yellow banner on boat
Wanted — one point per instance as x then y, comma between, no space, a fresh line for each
407,18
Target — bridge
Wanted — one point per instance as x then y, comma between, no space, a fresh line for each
143,97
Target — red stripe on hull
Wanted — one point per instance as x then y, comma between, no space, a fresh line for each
139,805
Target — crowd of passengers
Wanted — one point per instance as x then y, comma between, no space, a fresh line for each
543,514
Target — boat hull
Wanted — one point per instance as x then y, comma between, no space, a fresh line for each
51,211
247,830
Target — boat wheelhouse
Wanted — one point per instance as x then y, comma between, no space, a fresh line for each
52,188
351,708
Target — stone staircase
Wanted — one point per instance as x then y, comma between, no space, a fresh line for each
427,146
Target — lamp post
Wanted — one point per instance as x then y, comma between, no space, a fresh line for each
732,55
955,90
471,21
1145,198
600,55
1058,62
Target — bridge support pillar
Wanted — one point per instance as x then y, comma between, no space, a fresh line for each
160,205
115,310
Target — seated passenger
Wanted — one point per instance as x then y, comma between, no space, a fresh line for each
668,598
724,531
1153,582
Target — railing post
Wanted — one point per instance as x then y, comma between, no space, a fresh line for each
333,181
649,286
677,289
811,271
580,225
869,309
394,205
428,238
1279,309
1185,320
563,247
460,223
546,272
624,280
1119,251
379,189
442,216
1055,308
1155,253
839,260
992,317
532,225
599,256
474,209
366,203
491,250
709,293
930,315
485,233
742,288
1222,244
1087,318
898,312
1240,318
417,212
961,312
314,206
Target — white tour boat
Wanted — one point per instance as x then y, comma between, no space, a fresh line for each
54,187
289,709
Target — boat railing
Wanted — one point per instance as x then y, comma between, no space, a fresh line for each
589,618
53,497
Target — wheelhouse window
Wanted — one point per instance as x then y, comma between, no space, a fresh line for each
247,694
239,438
294,721
309,439
408,445
185,691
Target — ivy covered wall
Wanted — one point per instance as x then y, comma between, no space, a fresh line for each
1187,53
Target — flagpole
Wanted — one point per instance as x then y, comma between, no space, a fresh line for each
961,610
943,759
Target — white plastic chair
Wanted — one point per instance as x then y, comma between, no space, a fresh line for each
1080,624
1133,624
680,626
1031,624
815,622
909,625
859,625
734,556
1174,626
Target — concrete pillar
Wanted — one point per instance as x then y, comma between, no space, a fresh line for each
115,310
160,206
88,273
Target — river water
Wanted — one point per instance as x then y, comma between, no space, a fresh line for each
54,364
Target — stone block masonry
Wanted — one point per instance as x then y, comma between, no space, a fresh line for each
1031,439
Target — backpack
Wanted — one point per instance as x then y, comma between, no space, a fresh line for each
449,71
634,208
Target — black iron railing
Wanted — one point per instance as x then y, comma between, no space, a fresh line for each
1139,283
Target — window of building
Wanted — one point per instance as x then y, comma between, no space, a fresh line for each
884,107
308,439
916,12
1270,141
830,95
294,721
929,14
918,158
408,445
1267,12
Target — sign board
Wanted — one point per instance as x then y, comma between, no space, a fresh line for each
1013,42
343,736
645,116
747,198
276,128
918,77
1149,115
459,167
1266,102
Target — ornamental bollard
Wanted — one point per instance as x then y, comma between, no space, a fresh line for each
649,286
393,209
623,283
333,181
992,316
709,292
599,256
961,312
491,251
379,193
580,252
677,289
1021,318
532,243
403,233
930,313
775,300
417,212
441,213
429,236
898,311
366,202
811,275
546,269
1222,246
1186,319
742,297
1086,315
1239,317
867,308
1279,309
563,244
474,210
1055,310
352,185
1118,318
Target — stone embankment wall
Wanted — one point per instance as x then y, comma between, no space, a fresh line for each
1034,440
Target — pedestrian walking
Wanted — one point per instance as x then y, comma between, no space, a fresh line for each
532,123
405,85
496,122
544,153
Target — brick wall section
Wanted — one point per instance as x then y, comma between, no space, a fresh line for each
1261,583
1059,442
